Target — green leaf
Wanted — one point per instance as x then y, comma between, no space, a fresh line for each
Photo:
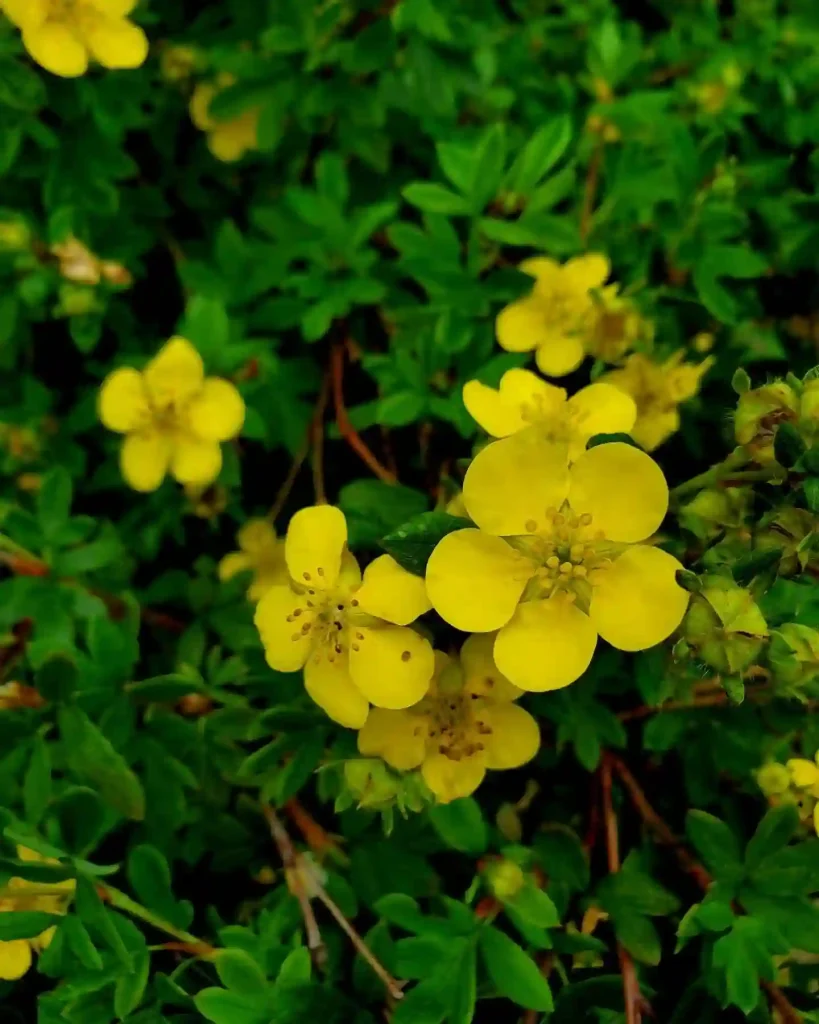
534,906
715,843
54,503
432,198
207,326
165,688
458,162
540,154
150,877
37,782
464,989
424,1004
490,158
775,830
743,955
92,759
513,972
25,924
401,408
129,989
238,970
94,912
639,936
374,507
297,968
789,445
461,825
222,1007
412,544
56,678
75,934
811,488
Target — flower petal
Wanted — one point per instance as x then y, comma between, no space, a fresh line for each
315,542
278,618
230,140
541,268
515,736
559,354
489,410
524,388
583,273
396,736
199,108
391,665
623,490
15,959
194,461
116,42
475,581
24,13
602,409
637,602
175,374
56,48
653,428
481,674
391,593
123,401
512,483
114,8
450,780
257,537
234,563
804,773
144,459
520,325
217,413
547,645
331,687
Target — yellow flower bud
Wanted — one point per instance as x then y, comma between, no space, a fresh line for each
15,235
759,413
505,878
773,779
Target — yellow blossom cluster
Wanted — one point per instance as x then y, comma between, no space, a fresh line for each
228,140
795,782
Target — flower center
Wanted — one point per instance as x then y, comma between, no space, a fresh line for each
457,728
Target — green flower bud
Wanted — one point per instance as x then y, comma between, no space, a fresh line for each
15,235
724,625
759,413
371,783
793,531
794,654
505,878
715,509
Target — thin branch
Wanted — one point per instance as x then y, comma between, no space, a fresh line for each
345,426
590,190
303,451
631,986
757,695
320,841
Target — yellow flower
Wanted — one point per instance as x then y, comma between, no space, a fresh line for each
805,774
467,723
773,779
523,399
349,634
173,417
16,955
617,325
64,35
227,140
558,313
177,63
658,389
556,558
261,551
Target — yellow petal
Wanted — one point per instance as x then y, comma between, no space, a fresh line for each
637,602
15,959
217,413
123,401
538,396
331,687
314,545
56,48
816,819
654,428
279,618
559,354
144,459
520,326
602,409
114,8
547,645
489,410
512,482
200,106
44,939
396,736
391,593
475,581
391,665
542,268
623,490
257,537
235,562
481,674
804,773
515,736
266,578
24,13
522,398
450,780
175,374
586,272
230,140
116,42
194,461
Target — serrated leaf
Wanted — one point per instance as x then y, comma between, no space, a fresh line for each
461,825
540,154
513,972
715,842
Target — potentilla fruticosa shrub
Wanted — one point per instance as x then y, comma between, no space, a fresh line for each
409,455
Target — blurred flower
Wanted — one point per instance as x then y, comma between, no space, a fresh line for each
76,263
15,235
556,316
504,877
228,140
796,783
64,35
617,325
465,725
173,417
261,552
523,399
350,634
177,63
208,501
658,389
556,558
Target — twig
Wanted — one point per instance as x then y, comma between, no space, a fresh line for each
301,454
778,999
185,942
590,190
345,427
317,838
631,986
757,695
290,860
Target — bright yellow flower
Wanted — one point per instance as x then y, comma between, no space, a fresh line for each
658,389
261,551
63,36
805,774
349,634
173,417
773,779
16,955
227,140
467,723
556,558
558,313
523,399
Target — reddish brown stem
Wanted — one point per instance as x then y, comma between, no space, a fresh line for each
590,190
345,427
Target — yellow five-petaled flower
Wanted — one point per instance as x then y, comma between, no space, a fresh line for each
230,139
261,552
523,400
350,634
64,35
465,724
556,559
173,417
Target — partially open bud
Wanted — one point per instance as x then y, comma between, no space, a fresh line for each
794,654
773,779
715,509
793,531
505,878
759,413
724,625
